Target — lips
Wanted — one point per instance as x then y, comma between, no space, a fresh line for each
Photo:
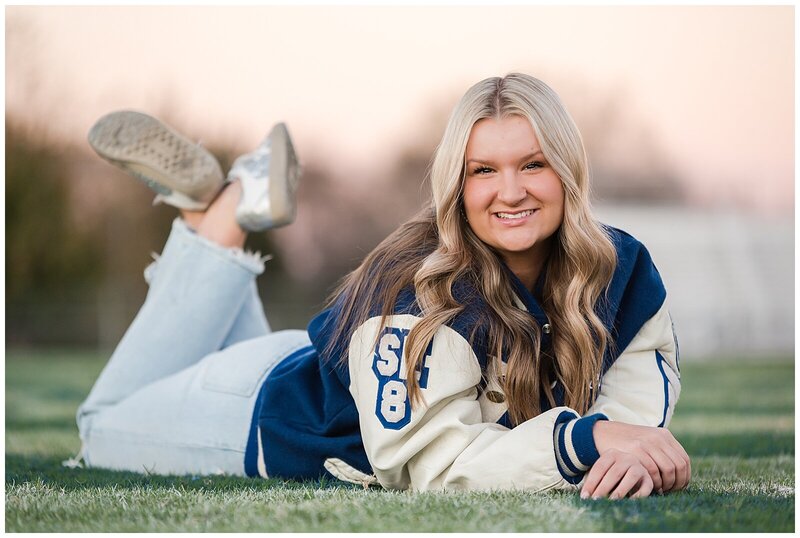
514,215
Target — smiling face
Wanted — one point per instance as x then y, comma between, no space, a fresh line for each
513,199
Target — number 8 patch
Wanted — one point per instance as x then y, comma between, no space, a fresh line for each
392,406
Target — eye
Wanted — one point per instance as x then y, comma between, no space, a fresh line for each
481,170
534,165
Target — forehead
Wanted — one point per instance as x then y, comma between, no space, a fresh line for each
499,139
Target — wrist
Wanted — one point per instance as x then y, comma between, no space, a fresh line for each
600,435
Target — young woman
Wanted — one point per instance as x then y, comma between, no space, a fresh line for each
502,338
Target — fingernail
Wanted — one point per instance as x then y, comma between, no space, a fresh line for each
584,494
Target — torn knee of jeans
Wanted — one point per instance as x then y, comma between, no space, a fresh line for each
150,270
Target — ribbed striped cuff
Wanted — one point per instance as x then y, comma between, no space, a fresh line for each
574,444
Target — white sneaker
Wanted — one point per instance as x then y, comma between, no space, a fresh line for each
184,174
269,176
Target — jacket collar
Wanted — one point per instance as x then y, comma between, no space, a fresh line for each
526,298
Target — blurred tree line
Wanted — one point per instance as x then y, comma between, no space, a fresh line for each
44,247
50,261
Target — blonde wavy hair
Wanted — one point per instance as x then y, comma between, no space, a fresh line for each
437,248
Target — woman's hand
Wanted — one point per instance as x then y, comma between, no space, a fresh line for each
616,475
657,450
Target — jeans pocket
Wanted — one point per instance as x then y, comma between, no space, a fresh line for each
241,368
240,378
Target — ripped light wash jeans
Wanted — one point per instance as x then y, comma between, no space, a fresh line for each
178,394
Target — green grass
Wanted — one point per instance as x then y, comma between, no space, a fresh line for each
735,418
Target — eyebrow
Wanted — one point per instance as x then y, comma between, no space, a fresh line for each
489,161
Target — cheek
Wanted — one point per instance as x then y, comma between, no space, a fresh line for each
552,192
558,199
558,204
476,198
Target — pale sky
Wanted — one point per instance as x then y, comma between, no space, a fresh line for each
715,84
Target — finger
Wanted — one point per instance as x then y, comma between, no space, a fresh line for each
645,488
681,470
610,480
685,458
689,467
635,483
595,474
666,467
632,477
652,468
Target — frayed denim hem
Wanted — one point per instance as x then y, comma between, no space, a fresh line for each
252,261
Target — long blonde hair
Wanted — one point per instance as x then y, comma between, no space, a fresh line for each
437,248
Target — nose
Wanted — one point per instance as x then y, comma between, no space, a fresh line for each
511,191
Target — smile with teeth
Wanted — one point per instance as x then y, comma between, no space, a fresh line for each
512,216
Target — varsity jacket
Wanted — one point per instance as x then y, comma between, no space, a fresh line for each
319,416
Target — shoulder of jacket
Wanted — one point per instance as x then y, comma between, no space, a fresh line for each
626,245
635,293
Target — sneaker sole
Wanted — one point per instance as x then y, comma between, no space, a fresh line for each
283,175
182,172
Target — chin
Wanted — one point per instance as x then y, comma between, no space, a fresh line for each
531,244
519,244
516,248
